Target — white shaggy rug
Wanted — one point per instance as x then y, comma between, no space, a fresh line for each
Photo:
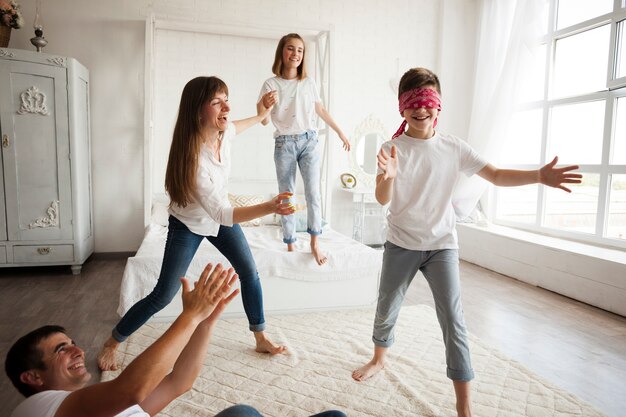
325,347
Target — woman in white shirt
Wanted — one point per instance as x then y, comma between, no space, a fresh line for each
196,179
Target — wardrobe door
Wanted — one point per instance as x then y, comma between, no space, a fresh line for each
36,163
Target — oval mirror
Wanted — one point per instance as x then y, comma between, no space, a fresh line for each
368,136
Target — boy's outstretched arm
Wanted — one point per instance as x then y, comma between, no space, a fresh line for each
547,175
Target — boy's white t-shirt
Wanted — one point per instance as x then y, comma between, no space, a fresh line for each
46,404
295,111
210,207
421,215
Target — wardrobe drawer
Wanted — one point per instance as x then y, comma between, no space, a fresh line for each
43,253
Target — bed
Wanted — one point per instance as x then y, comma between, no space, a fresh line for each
292,281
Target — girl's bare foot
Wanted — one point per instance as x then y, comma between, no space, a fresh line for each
368,370
320,258
291,247
265,345
106,357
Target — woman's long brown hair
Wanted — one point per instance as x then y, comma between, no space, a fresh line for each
182,164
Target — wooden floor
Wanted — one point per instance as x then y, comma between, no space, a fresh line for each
579,348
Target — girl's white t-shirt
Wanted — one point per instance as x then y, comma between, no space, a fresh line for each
210,207
421,215
295,111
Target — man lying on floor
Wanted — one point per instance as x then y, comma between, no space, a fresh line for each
48,368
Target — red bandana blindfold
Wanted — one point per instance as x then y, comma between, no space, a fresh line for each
414,99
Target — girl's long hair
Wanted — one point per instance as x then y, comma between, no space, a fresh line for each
182,164
277,67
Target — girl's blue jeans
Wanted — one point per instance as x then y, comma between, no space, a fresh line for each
241,410
290,152
180,247
441,270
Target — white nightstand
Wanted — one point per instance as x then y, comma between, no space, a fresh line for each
369,222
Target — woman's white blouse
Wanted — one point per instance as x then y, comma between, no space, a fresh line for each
210,207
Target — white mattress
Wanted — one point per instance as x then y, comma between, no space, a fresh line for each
291,280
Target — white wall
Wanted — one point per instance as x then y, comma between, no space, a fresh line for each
373,41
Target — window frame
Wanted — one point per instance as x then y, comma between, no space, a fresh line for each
615,88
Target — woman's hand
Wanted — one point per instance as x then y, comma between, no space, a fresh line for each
281,204
269,99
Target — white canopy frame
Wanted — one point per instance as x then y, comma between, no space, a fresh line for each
318,39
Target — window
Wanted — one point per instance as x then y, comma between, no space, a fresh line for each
574,106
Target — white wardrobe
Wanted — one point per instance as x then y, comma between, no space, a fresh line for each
45,177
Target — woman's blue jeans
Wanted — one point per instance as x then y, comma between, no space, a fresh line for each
180,247
241,410
291,152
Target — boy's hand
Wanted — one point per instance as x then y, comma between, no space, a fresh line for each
555,177
388,163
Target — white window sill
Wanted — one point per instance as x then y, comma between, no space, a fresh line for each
608,254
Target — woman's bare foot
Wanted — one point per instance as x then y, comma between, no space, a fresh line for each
106,357
368,370
265,345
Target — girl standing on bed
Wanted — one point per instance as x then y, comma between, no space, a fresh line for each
196,179
295,138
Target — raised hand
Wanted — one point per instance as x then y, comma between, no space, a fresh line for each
208,292
281,204
221,305
346,142
388,163
269,99
556,177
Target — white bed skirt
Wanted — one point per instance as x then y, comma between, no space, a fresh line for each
292,281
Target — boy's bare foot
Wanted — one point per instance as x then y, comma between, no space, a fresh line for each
106,357
265,345
368,370
320,258
463,412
